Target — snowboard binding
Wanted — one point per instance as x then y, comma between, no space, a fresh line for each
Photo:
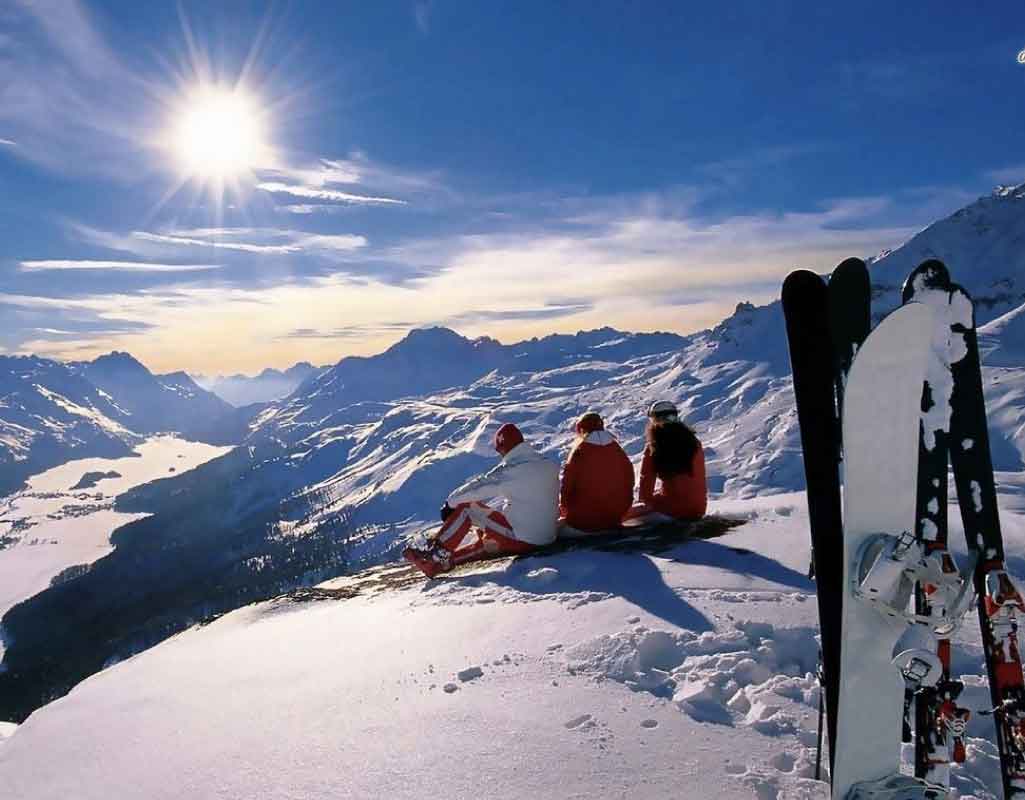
888,569
896,787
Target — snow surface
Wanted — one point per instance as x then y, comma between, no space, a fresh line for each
579,675
48,527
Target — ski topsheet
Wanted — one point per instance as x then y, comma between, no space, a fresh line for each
880,434
939,722
1000,604
805,305
850,318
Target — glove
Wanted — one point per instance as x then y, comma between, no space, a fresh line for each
446,511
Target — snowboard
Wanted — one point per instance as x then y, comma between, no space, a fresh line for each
881,437
806,302
1000,603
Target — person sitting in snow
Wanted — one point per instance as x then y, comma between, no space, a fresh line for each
472,530
597,481
673,458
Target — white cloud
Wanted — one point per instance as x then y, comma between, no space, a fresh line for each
333,195
294,241
638,262
56,99
325,172
261,241
9,142
422,15
121,266
270,249
1007,175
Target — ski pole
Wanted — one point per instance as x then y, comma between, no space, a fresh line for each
822,712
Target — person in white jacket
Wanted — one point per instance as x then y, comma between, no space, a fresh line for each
472,529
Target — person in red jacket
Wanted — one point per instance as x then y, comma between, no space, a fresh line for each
597,481
674,459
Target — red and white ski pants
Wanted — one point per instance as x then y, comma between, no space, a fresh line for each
495,535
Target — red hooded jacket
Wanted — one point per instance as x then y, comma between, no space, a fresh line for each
682,496
597,484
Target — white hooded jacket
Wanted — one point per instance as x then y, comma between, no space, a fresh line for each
530,485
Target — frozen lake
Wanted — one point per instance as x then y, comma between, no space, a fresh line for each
51,526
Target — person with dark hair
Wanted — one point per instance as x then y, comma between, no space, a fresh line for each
673,459
597,481
472,530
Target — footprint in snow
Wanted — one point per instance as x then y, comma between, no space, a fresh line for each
469,674
576,722
649,723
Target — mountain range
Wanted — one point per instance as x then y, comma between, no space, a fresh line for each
52,411
269,385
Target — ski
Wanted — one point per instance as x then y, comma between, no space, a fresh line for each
1000,602
806,308
882,558
940,724
850,318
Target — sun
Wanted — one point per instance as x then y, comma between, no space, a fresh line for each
219,134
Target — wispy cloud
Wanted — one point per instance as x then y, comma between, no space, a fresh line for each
1013,174
295,241
269,249
9,142
119,266
547,311
259,241
333,195
422,16
348,332
56,100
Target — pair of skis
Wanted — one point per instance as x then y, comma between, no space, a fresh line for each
826,324
913,396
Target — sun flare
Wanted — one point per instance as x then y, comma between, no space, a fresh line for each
220,134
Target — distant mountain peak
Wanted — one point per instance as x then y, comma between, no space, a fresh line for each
117,359
433,342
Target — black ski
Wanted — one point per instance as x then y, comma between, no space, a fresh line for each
939,722
806,307
850,318
1000,603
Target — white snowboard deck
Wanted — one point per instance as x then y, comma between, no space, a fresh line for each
880,430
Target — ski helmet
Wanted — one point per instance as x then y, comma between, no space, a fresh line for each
589,423
506,438
663,409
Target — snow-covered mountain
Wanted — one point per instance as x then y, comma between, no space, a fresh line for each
268,385
982,243
336,474
51,411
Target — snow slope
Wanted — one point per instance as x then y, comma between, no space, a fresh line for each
582,675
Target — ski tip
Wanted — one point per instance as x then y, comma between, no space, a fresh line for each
800,281
930,274
854,267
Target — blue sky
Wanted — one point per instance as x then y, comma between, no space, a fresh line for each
504,168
